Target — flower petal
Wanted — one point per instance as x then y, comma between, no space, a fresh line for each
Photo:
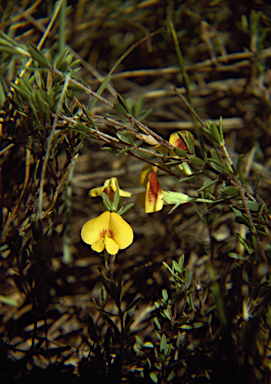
110,186
142,197
111,246
122,233
154,195
98,246
176,140
93,229
146,170
94,192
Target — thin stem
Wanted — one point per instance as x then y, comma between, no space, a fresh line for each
49,146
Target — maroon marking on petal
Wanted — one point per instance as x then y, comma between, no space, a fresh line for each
180,144
155,188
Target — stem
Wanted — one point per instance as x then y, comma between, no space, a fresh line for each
49,146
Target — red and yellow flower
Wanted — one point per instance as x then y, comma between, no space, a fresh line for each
152,199
108,231
109,188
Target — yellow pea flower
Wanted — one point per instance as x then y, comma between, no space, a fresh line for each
152,199
108,231
175,139
146,170
109,188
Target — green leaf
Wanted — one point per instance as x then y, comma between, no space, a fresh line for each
217,163
177,198
163,344
213,132
221,129
180,152
168,267
124,209
245,243
185,136
188,279
186,326
181,261
238,163
165,295
157,323
153,377
124,138
139,342
116,199
176,267
196,161
236,256
208,185
2,94
81,128
7,301
107,202
38,56
167,314
230,191
121,107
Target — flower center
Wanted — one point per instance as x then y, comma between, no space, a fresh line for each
106,233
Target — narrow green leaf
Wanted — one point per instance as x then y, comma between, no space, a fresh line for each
236,256
38,56
157,323
208,185
230,191
153,377
196,161
116,199
139,342
107,202
124,209
122,137
180,152
133,303
165,295
188,279
163,344
181,261
238,163
7,301
213,132
221,128
2,94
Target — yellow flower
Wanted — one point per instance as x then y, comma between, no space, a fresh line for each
109,188
108,231
176,140
146,170
152,199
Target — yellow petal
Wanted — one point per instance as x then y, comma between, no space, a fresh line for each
154,195
98,246
146,170
93,230
142,196
111,246
122,232
176,140
115,185
109,187
94,192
